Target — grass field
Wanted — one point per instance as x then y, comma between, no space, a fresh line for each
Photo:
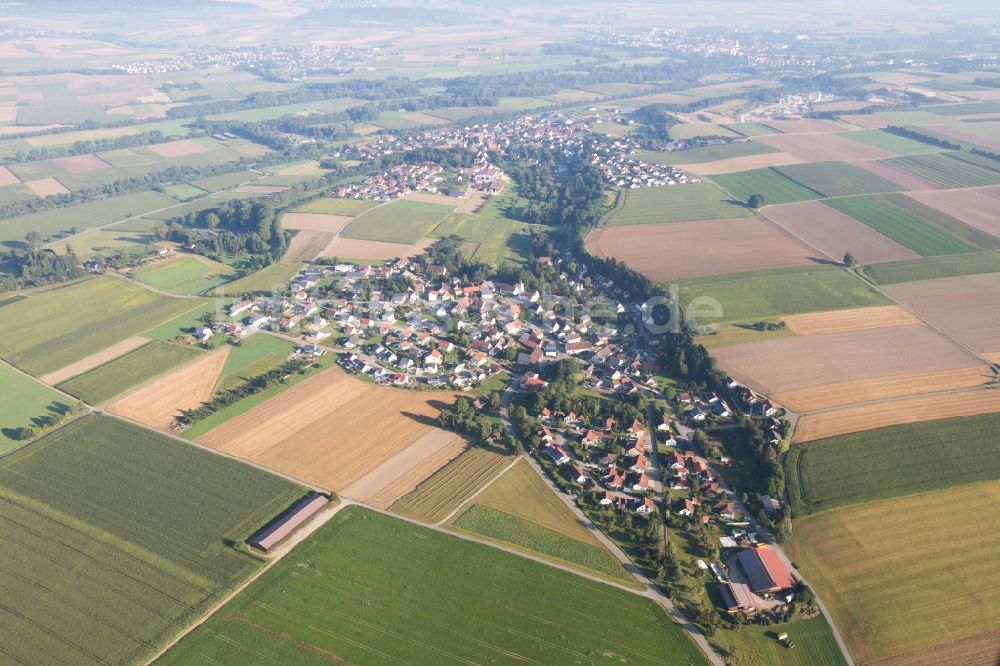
901,225
184,191
836,179
888,462
495,241
911,270
55,328
755,644
116,539
99,385
186,274
225,180
451,485
685,131
704,154
650,205
104,242
532,537
390,591
967,232
897,144
775,187
399,222
946,170
264,281
905,574
22,400
185,323
759,295
82,216
331,206
253,356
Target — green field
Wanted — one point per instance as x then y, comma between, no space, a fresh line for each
495,241
82,216
370,588
836,179
117,538
677,203
775,187
58,327
755,644
532,537
401,221
105,242
264,281
758,295
684,131
750,129
186,274
704,154
911,270
950,224
451,485
138,366
225,180
897,144
901,225
184,191
253,356
888,462
22,400
946,170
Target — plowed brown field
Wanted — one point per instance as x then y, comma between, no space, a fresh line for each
976,207
159,403
855,319
331,430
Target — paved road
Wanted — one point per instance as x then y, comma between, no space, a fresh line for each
650,591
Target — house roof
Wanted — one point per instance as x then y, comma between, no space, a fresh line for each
737,596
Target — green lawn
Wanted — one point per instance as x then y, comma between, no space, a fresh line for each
253,356
55,328
901,225
677,203
775,187
370,588
836,179
138,366
897,144
947,170
495,241
399,222
332,206
22,400
758,295
117,538
911,270
889,462
184,275
265,281
516,531
755,644
707,153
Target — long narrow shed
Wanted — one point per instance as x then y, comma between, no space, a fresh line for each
274,533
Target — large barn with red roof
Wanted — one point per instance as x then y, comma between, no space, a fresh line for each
765,570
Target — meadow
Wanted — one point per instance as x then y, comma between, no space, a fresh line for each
264,281
187,274
332,206
836,179
520,533
888,462
756,644
901,225
897,144
253,356
401,221
759,295
906,574
450,486
703,154
683,131
116,539
393,591
978,237
22,400
769,182
911,270
695,201
495,241
55,328
946,170
104,382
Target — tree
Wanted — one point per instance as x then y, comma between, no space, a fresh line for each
755,200
850,260
34,239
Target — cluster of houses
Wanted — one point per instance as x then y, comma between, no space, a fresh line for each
291,57
620,169
394,182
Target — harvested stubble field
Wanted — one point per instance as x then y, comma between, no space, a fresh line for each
46,187
159,403
930,268
825,147
679,250
736,164
835,233
307,245
653,205
966,307
113,378
907,574
452,485
331,224
94,360
349,248
393,591
904,226
53,329
330,429
812,372
400,474
977,207
857,319
895,412
179,148
116,539
979,650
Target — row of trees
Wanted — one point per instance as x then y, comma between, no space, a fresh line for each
922,138
92,146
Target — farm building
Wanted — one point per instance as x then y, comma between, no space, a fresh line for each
274,533
737,597
765,570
